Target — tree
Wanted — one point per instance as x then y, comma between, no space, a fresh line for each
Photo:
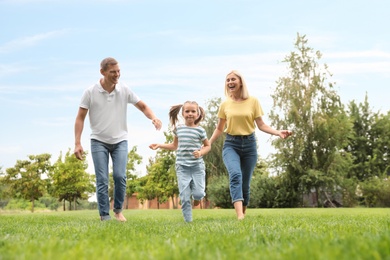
4,190
313,157
70,181
161,181
213,160
381,145
369,147
25,178
133,159
360,144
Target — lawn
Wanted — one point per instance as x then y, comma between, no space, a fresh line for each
357,233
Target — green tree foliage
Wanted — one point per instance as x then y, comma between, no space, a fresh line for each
369,147
133,159
25,178
4,190
70,181
213,160
370,144
160,181
380,165
307,103
360,145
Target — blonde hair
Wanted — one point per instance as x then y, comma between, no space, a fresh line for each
244,88
107,62
174,111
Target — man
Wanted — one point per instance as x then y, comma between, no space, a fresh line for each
107,102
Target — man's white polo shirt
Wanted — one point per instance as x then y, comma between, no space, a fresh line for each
108,111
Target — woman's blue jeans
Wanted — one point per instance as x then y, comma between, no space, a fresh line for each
100,155
191,181
240,157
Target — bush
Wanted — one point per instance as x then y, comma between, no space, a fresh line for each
263,192
218,192
376,192
50,202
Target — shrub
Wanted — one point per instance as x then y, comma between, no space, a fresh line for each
218,192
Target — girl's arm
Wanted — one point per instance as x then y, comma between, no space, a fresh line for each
171,146
204,149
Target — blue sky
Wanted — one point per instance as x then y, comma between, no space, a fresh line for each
170,52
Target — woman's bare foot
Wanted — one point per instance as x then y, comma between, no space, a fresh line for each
239,210
119,216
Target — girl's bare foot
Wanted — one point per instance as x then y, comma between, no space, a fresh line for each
119,216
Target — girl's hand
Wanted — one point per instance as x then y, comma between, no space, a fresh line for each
197,154
154,146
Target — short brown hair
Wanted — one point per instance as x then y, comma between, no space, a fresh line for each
107,62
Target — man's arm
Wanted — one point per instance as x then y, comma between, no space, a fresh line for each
78,129
148,112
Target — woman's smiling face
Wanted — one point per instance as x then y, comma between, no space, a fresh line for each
233,83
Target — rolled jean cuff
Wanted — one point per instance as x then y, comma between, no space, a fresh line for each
106,217
234,201
117,211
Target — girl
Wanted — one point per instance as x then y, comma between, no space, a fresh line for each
191,143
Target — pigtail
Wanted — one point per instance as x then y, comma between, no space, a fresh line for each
201,115
173,112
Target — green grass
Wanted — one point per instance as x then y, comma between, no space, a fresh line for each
215,234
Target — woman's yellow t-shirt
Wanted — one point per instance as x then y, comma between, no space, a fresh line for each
240,116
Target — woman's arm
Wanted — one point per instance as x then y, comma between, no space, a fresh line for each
218,130
269,130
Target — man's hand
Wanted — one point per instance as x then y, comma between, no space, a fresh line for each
79,152
157,123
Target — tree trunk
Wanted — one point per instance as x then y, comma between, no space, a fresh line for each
173,202
32,205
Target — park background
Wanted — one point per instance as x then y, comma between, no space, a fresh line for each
171,52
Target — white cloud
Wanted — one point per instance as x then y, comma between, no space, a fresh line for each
29,41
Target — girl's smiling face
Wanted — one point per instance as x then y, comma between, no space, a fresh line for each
190,113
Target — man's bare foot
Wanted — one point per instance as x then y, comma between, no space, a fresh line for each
241,217
119,216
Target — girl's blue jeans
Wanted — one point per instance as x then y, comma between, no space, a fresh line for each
240,157
100,155
191,180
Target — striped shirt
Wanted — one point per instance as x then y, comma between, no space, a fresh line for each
190,139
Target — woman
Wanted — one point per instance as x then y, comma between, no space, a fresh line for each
239,113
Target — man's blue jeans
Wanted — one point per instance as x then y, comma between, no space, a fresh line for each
240,157
100,155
